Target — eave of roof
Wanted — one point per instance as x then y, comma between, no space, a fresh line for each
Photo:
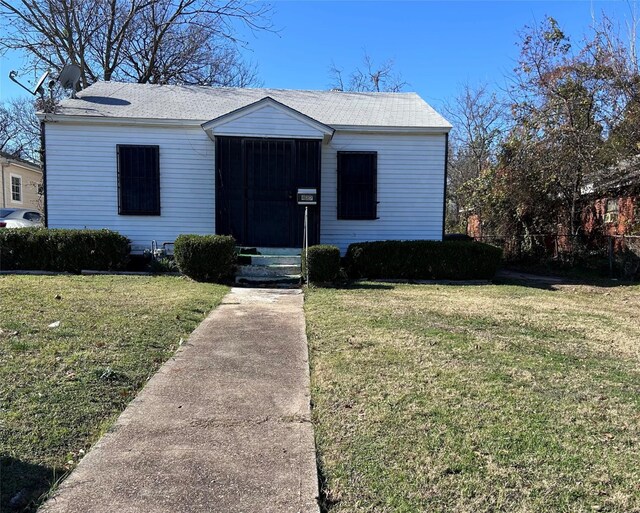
111,120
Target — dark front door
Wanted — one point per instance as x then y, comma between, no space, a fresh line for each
256,184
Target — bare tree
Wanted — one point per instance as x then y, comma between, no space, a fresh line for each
369,77
615,55
7,131
156,41
19,129
478,117
479,120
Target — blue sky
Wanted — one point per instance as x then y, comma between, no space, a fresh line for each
436,46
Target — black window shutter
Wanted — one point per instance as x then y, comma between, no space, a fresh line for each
138,180
357,185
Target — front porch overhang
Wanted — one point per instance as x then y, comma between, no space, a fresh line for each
268,118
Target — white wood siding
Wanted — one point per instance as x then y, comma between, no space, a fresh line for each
82,180
82,183
268,121
410,188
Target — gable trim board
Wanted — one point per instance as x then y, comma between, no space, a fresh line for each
82,172
268,118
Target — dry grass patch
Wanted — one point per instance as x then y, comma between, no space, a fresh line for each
477,398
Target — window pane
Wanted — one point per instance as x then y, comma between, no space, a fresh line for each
357,185
16,188
139,180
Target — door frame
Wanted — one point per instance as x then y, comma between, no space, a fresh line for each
295,209
248,229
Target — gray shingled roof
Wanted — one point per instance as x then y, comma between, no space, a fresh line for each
198,103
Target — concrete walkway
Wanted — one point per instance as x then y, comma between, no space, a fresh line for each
224,426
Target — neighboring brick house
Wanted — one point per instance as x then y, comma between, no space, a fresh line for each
20,183
613,214
612,207
610,214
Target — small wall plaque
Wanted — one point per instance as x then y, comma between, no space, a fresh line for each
307,196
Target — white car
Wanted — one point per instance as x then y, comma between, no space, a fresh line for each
19,218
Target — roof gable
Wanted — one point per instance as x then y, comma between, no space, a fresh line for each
18,161
267,118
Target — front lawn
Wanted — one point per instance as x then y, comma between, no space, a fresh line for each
476,398
61,387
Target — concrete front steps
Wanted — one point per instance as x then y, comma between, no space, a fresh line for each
276,267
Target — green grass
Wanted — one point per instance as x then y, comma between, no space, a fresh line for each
61,388
476,399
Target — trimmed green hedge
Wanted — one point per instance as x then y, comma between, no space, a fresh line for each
323,262
206,257
423,260
42,249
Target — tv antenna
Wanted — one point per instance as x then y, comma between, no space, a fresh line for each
37,89
69,78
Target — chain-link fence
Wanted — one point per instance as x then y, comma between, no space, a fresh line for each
624,254
612,255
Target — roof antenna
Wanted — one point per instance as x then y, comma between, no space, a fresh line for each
37,89
69,78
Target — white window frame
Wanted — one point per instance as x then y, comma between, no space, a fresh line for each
19,177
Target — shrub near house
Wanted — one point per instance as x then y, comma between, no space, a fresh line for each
206,257
323,263
423,260
40,249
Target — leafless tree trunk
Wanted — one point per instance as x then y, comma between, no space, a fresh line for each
479,123
19,129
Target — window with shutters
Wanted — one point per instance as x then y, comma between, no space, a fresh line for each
138,180
357,184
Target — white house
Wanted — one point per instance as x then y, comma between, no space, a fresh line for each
21,182
153,162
